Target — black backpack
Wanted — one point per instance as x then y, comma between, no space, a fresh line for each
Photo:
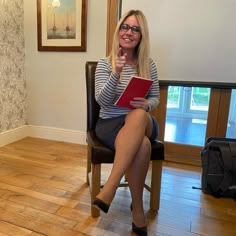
219,167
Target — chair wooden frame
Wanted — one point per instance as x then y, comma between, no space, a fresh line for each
98,154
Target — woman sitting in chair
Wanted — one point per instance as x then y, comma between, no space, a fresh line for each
127,131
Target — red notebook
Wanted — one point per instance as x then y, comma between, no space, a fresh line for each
137,87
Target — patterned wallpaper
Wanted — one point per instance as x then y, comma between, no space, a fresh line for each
12,59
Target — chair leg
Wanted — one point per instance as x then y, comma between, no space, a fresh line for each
88,164
155,185
95,187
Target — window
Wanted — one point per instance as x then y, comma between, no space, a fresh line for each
187,110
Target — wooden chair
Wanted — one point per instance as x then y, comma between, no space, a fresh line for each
99,154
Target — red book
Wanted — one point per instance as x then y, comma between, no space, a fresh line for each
137,87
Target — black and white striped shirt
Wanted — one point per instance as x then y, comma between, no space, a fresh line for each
108,88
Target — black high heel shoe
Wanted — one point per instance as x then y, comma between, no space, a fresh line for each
140,231
101,205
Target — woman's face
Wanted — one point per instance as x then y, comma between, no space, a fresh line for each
130,33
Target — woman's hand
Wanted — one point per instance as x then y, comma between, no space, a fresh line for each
140,102
120,61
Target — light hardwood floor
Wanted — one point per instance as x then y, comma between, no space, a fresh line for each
43,191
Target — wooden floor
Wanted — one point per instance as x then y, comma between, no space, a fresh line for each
43,192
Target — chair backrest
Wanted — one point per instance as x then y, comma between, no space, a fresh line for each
92,106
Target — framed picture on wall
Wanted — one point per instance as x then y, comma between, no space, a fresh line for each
62,25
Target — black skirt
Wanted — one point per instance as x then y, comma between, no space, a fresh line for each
107,129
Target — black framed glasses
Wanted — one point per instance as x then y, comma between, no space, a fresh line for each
134,29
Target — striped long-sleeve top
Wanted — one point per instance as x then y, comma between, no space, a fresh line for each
109,87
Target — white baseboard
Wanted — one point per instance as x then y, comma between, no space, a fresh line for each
65,135
51,133
13,135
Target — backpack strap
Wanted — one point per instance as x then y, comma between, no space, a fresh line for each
228,164
232,146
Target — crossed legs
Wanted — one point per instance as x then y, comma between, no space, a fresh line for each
136,175
132,156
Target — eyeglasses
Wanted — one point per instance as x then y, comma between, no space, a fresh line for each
134,29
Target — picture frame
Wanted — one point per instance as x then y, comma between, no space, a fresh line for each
62,25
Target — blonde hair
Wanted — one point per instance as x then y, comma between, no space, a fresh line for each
142,49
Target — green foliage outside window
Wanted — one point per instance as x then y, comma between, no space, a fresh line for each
173,95
200,96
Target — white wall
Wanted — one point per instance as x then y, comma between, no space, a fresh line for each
191,40
56,80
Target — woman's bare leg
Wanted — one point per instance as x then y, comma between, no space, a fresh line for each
136,175
138,124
